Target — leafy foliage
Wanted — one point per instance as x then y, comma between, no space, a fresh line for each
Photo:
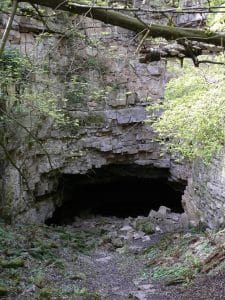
216,21
12,62
12,71
4,4
19,94
192,117
215,2
33,255
179,257
80,90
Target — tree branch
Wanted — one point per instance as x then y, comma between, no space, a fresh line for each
30,133
2,145
211,62
131,23
181,49
40,16
8,26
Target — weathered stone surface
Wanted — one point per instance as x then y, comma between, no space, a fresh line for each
161,221
164,210
117,132
204,197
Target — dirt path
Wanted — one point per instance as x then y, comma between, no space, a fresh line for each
98,258
118,276
118,271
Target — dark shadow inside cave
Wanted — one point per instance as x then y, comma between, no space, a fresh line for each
114,195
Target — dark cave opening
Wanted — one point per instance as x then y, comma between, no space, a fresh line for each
120,196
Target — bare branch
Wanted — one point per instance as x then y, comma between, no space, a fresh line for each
131,23
8,26
8,156
211,62
29,132
190,10
40,16
181,49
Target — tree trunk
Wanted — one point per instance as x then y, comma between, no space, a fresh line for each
131,23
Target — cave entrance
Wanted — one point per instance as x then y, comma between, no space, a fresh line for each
116,191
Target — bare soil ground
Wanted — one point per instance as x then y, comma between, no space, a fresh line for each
107,258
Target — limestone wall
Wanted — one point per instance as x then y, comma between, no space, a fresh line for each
204,198
112,130
116,132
